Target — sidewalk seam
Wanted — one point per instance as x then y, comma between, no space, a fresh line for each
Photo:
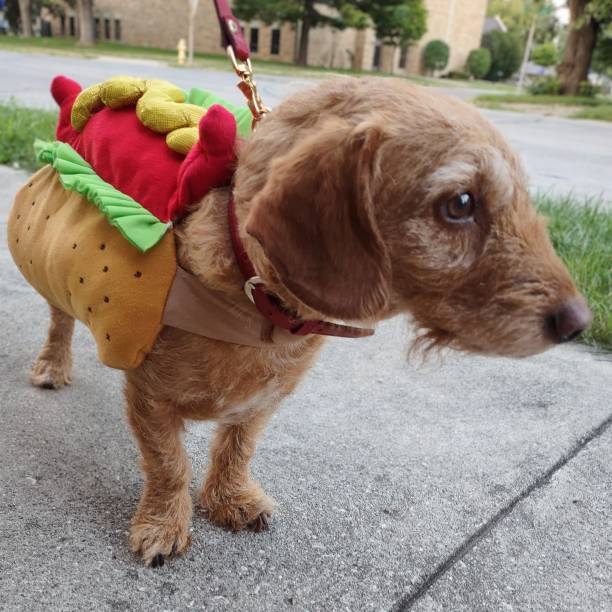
409,599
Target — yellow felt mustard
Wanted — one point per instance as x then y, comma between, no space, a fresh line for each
160,106
71,255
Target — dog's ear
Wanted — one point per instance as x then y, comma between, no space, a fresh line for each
315,221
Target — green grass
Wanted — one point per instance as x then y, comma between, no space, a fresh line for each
581,232
582,236
600,113
545,100
599,108
19,126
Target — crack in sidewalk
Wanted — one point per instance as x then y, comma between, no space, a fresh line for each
409,599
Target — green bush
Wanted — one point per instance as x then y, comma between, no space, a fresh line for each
506,52
588,90
435,55
457,75
545,86
545,55
479,63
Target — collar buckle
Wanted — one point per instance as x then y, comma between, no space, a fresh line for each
250,284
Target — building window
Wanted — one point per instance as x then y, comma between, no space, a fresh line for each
107,28
97,28
376,60
63,25
275,42
72,24
403,58
254,40
117,29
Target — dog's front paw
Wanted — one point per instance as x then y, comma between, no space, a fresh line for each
250,508
155,540
50,375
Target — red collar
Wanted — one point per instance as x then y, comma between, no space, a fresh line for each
270,307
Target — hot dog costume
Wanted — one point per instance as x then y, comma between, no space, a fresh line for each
92,230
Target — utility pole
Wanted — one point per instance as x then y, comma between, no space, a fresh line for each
193,9
527,55
541,10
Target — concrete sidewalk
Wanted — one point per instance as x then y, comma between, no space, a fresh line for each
482,484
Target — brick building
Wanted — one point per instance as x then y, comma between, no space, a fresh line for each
161,23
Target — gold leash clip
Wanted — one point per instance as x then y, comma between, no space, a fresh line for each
248,87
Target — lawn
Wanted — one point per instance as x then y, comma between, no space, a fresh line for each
581,231
19,126
573,107
582,236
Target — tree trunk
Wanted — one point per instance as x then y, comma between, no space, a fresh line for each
86,22
302,58
25,15
578,50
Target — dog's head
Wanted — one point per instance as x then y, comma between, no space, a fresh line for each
372,197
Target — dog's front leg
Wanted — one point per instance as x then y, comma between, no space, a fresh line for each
160,526
229,495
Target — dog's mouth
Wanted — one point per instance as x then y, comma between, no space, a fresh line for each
531,340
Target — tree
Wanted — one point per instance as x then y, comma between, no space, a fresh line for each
25,17
587,19
396,21
545,54
602,56
14,9
506,53
86,22
479,63
435,55
518,16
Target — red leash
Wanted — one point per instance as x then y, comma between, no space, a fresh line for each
231,30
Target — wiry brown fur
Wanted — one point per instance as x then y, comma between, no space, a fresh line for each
338,196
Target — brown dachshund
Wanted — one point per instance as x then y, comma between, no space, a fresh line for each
358,200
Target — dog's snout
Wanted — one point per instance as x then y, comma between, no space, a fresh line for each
569,320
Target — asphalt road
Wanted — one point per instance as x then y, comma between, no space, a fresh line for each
561,155
479,484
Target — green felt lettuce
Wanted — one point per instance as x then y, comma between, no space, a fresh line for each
136,224
244,118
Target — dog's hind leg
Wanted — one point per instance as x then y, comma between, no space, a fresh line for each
229,496
53,366
160,526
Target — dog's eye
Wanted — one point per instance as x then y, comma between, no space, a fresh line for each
459,209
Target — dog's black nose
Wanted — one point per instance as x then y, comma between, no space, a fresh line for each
569,320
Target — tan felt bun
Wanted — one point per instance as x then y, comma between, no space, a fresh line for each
71,255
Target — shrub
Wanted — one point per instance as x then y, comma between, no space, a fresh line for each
479,63
457,75
435,55
545,55
506,51
588,89
545,86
